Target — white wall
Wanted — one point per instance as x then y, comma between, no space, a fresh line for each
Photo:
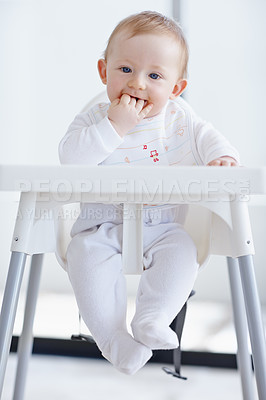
50,50
227,85
48,71
227,81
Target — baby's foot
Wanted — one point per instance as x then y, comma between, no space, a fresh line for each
155,334
126,354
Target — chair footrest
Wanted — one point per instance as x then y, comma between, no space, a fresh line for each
173,373
83,338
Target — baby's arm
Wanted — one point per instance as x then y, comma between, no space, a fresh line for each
214,149
126,112
89,141
211,146
224,161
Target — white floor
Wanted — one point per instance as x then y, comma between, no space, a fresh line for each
66,378
208,327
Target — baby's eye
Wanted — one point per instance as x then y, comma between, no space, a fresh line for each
126,70
154,76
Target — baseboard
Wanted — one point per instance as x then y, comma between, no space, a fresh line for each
70,348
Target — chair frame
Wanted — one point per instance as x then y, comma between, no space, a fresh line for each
245,299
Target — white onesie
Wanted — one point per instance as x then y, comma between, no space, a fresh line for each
174,137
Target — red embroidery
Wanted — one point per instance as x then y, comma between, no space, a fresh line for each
144,147
154,155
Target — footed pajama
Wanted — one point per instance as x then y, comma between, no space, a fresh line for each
95,271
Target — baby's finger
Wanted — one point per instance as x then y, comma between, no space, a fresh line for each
139,105
225,162
145,111
215,163
125,99
115,102
132,101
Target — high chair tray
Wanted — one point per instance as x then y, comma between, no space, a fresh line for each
135,184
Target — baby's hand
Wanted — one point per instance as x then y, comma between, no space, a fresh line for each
224,161
127,112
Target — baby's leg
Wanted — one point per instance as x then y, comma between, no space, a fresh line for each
164,288
95,272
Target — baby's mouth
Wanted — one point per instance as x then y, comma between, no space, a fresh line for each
137,98
146,102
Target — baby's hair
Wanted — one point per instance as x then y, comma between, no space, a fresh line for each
153,22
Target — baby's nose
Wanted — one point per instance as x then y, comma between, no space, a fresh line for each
137,82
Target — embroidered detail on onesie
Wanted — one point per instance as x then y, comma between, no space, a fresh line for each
180,131
161,140
154,155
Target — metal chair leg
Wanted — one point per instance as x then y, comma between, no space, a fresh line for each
26,338
9,308
243,355
255,324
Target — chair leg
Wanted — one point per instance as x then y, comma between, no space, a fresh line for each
26,338
9,308
243,355
255,324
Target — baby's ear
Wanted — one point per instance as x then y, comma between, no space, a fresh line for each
102,69
178,89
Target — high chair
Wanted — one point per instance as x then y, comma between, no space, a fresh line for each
217,221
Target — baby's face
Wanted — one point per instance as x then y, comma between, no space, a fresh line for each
144,66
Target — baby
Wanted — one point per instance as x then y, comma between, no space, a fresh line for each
146,123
